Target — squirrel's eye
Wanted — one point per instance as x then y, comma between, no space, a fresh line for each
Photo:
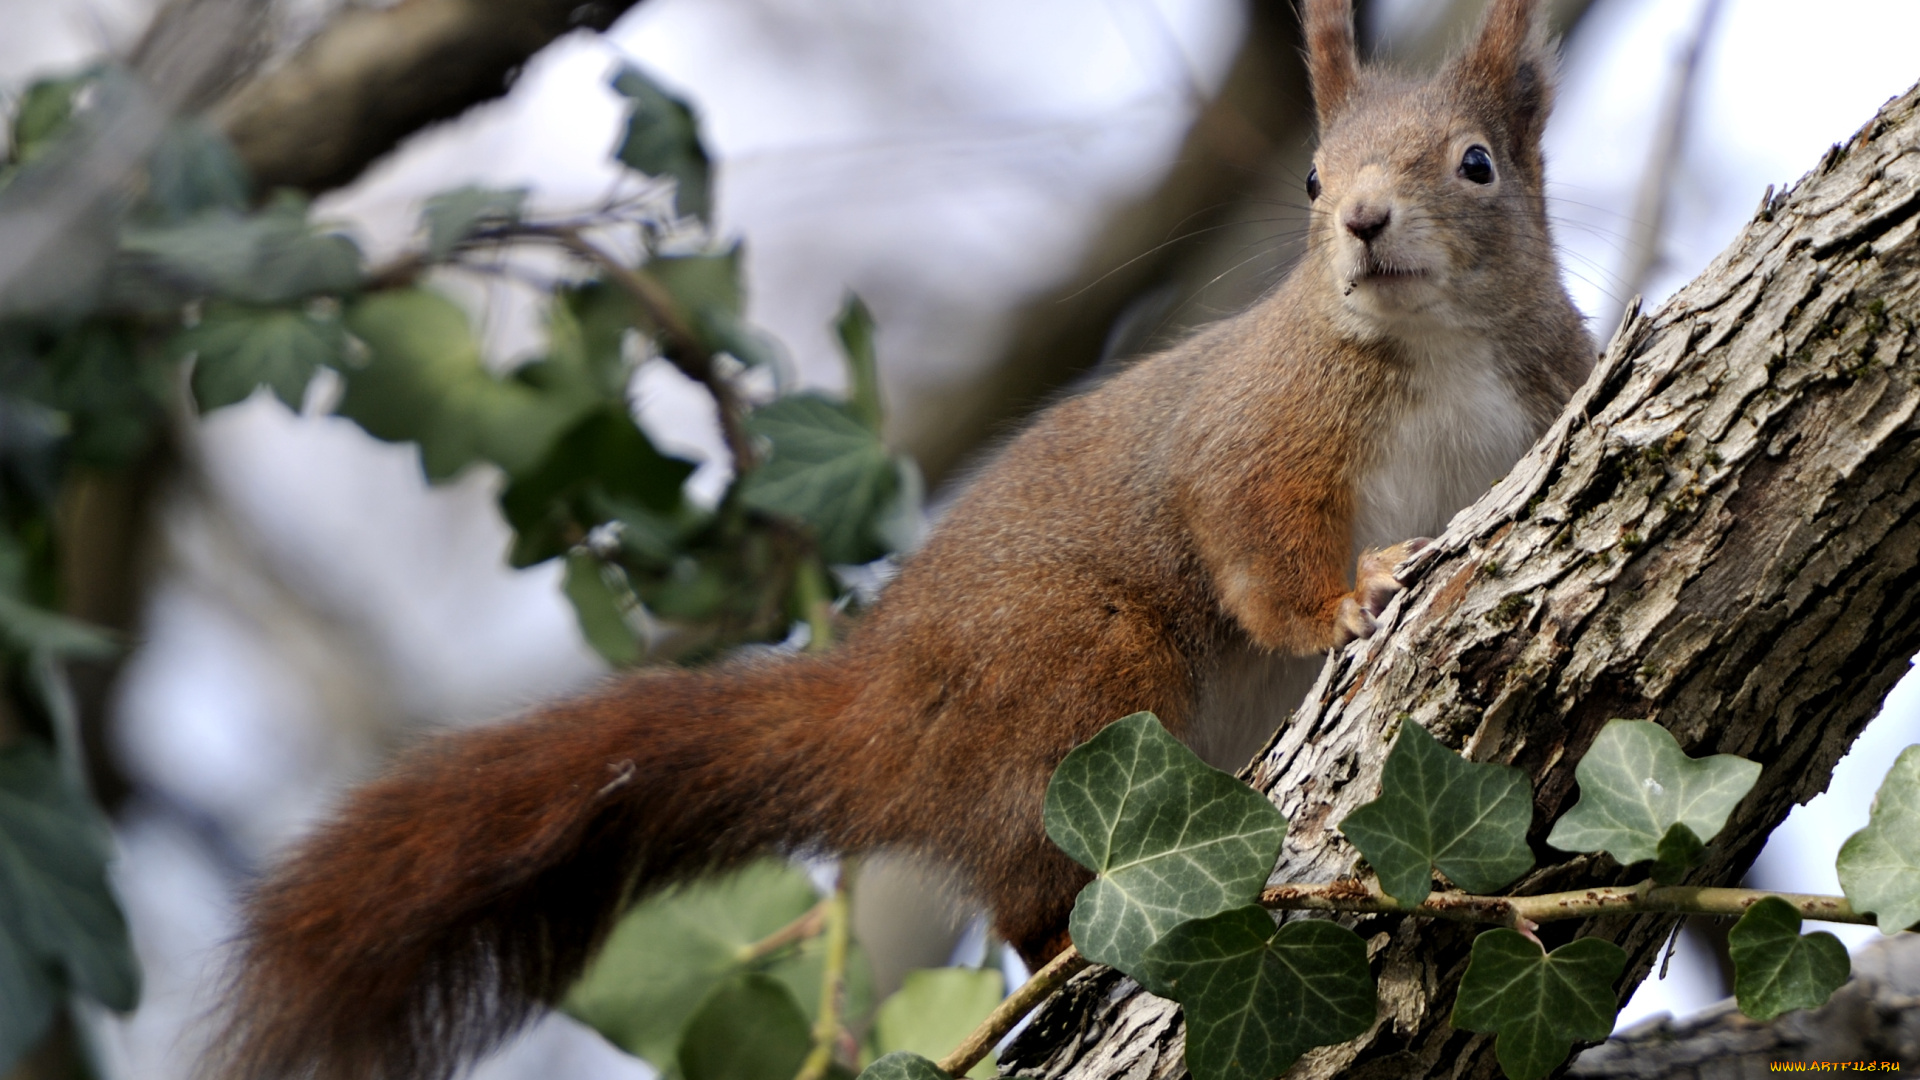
1477,165
1313,183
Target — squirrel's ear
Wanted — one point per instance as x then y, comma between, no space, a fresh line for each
1512,61
1332,63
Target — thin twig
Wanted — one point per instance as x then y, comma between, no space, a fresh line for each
1010,1011
1358,897
680,344
833,980
809,924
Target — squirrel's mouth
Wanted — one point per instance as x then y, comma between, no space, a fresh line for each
1376,270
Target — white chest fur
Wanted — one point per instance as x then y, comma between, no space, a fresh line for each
1459,429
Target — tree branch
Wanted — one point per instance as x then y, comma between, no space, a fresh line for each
373,77
1366,897
1721,534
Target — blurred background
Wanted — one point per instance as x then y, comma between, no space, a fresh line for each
1017,188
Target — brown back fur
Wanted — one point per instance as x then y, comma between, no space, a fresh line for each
1132,550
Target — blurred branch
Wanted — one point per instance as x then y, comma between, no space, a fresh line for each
1649,218
195,50
373,77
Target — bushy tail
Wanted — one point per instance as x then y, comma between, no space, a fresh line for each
470,886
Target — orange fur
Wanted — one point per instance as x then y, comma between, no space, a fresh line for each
1188,523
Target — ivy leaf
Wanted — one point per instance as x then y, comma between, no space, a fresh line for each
588,328
452,216
826,470
935,1010
96,375
673,949
1257,998
1438,809
425,383
600,609
195,168
1539,1003
663,139
1775,969
854,327
63,930
269,257
749,1028
902,1065
707,287
1880,865
1636,783
35,629
41,116
1171,837
1679,851
604,456
238,348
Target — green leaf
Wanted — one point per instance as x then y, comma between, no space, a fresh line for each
598,605
424,382
1775,969
1438,809
1880,865
96,375
453,216
826,470
605,456
1257,998
269,257
1636,783
35,629
61,928
588,327
1679,851
1171,837
672,950
195,169
707,288
42,114
1539,1003
935,1010
237,349
749,1028
855,330
663,139
901,1065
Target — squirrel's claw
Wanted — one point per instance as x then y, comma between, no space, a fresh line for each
1374,588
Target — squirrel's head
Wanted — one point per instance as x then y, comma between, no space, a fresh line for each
1427,210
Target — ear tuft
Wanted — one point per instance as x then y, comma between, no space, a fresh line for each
1510,66
1332,62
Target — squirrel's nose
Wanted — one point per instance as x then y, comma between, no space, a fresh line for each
1366,222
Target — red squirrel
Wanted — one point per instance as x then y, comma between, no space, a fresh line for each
1172,540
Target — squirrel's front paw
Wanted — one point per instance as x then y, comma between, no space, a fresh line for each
1374,588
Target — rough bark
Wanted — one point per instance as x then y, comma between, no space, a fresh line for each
1721,534
373,77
